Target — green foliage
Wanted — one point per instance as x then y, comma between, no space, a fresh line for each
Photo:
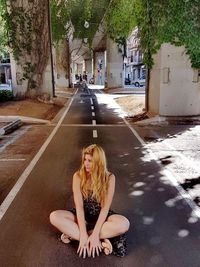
20,30
159,21
6,95
59,19
120,19
3,36
63,13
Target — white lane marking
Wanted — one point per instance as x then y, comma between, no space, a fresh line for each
92,107
93,114
94,122
134,132
95,135
91,101
12,194
6,160
169,174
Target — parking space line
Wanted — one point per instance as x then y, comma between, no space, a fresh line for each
12,194
6,160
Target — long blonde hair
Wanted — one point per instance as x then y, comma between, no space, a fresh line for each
99,173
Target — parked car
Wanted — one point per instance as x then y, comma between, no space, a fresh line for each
139,82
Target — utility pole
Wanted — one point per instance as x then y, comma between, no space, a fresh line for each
50,47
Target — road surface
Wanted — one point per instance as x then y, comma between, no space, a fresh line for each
160,234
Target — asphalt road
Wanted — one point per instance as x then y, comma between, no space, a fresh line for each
160,235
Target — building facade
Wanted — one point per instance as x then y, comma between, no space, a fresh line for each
134,67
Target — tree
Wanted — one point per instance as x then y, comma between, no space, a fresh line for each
158,21
3,36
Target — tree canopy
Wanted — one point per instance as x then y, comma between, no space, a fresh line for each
158,21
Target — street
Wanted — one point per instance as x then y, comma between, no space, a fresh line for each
160,234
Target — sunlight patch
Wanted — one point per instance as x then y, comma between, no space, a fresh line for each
183,233
148,220
139,184
137,193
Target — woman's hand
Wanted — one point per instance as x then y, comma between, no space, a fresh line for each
83,248
94,245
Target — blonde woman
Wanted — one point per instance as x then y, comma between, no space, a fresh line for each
91,222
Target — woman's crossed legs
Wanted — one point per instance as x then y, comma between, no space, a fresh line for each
66,222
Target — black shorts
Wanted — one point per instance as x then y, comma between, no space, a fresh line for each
92,219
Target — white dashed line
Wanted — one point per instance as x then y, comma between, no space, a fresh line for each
94,122
93,114
92,107
91,101
95,134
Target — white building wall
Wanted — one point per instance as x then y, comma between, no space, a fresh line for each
114,65
154,85
179,94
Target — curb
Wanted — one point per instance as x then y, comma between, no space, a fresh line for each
10,127
24,119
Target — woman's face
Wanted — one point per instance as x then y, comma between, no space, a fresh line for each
88,163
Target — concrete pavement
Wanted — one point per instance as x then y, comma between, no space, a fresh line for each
159,233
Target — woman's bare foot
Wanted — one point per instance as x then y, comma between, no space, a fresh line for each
107,246
65,239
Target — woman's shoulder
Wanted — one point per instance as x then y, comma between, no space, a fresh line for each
111,175
76,175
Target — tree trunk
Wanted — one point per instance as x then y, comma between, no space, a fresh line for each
29,40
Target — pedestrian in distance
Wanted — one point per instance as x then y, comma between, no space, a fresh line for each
80,78
92,223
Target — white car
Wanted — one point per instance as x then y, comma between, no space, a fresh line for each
139,82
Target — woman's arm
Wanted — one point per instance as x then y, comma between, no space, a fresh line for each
78,200
104,210
94,239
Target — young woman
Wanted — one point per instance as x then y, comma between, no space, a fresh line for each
92,223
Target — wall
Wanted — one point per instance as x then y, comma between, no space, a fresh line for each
174,89
154,85
20,86
61,65
114,65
